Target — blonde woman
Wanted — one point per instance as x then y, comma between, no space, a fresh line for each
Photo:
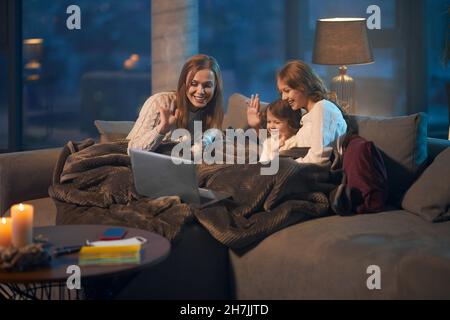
323,127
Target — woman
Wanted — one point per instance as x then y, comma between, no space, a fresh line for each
323,127
198,98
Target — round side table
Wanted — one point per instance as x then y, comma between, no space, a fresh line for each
98,282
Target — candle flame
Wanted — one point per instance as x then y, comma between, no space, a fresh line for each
21,207
3,220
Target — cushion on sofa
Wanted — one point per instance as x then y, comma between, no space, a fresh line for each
402,142
429,196
366,176
111,131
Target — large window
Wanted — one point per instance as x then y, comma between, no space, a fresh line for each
103,70
73,77
3,104
438,66
3,77
248,40
252,39
380,86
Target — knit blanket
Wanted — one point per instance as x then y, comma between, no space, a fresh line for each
93,184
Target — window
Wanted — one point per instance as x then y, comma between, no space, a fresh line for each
73,77
438,75
247,39
3,77
380,86
3,103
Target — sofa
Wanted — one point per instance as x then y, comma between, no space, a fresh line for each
326,258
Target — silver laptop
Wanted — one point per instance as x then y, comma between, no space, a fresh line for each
156,175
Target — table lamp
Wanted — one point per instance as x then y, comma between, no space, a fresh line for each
342,41
32,53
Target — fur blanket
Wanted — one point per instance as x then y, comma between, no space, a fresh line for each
93,184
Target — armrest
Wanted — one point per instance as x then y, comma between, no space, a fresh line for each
25,176
436,146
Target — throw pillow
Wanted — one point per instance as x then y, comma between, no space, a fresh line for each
366,176
429,196
111,131
403,145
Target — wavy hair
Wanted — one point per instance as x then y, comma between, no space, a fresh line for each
300,76
283,111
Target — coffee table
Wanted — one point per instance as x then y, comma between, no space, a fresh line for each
101,282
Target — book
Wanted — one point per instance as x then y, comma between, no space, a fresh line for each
110,255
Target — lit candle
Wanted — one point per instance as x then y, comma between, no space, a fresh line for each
5,232
22,224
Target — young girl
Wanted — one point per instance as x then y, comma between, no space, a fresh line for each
198,98
281,117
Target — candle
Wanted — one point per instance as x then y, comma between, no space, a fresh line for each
22,224
5,232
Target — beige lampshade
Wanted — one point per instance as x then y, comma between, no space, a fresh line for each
342,41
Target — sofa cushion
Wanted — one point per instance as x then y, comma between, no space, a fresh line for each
327,258
429,196
366,176
25,175
111,131
402,142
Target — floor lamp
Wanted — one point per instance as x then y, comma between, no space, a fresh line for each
342,41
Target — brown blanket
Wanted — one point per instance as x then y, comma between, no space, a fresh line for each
93,184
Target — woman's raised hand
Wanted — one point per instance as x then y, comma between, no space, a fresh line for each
167,118
254,116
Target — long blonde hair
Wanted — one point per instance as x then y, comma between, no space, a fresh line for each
300,76
212,114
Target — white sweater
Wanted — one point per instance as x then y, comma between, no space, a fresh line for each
144,135
323,129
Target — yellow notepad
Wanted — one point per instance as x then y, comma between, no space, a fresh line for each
112,249
110,255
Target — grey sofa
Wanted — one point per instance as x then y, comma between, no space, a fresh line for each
326,258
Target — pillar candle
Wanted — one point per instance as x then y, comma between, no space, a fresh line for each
22,224
5,232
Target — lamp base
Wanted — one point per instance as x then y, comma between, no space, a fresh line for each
344,87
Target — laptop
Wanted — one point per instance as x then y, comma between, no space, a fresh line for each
157,175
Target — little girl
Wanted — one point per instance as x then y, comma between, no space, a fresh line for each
280,116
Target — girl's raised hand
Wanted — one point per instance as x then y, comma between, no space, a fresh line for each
254,116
